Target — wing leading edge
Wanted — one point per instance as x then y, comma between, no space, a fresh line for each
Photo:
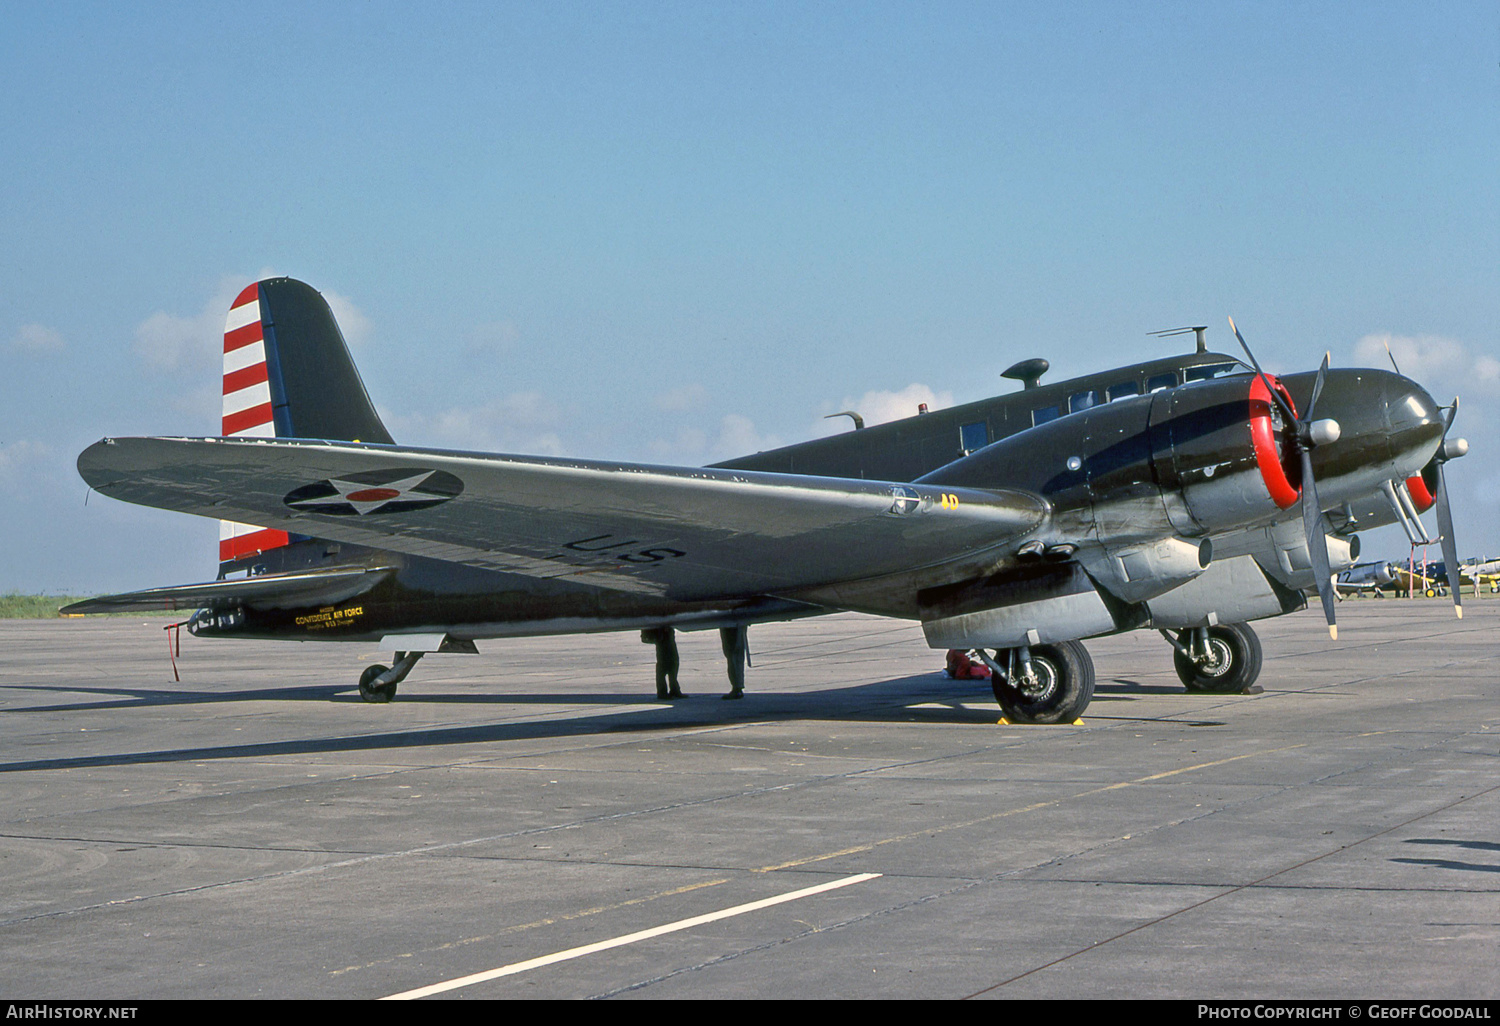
683,533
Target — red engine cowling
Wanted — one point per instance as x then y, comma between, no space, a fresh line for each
1225,448
1423,495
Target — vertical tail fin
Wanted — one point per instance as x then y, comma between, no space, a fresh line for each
287,374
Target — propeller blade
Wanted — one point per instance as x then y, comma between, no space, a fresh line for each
1445,521
1317,542
1450,544
1276,397
1307,415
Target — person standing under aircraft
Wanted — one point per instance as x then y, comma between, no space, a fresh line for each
667,661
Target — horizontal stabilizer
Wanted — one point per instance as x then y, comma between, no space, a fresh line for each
684,533
268,591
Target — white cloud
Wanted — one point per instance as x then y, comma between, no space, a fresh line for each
30,468
38,338
682,400
493,337
353,323
167,341
192,344
735,435
522,422
1442,365
738,437
22,456
878,407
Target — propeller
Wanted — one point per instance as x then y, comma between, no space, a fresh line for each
1309,433
1448,451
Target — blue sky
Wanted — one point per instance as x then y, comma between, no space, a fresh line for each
677,232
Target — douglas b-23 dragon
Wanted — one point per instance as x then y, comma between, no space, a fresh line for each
1188,495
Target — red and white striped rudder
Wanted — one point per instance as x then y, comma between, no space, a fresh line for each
247,411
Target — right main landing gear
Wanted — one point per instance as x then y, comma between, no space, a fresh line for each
1223,659
1042,683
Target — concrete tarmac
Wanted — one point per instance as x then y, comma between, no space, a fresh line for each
257,831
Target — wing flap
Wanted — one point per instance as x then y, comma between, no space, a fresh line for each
685,533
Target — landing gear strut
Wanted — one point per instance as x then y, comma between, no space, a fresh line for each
378,683
1223,659
1042,683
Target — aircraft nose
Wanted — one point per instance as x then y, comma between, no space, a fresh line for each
1389,426
1414,423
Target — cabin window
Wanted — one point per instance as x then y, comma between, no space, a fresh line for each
1081,401
1043,414
1212,370
1161,381
974,436
1124,390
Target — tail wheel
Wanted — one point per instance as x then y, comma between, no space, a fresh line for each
1061,687
1234,660
369,691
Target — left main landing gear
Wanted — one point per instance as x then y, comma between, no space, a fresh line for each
1223,659
1042,683
378,683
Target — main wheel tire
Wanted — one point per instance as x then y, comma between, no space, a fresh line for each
369,691
1064,687
1237,660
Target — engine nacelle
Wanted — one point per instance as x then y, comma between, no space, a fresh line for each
1138,572
1226,449
1233,590
1281,551
1046,604
1205,457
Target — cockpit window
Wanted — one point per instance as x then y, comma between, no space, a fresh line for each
1161,381
1212,370
1043,414
1124,390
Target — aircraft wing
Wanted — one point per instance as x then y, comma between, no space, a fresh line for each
267,591
684,533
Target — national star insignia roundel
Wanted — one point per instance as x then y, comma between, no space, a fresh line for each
397,490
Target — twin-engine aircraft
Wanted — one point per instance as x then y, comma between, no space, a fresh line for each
1186,495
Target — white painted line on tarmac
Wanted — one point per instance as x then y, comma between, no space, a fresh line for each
629,938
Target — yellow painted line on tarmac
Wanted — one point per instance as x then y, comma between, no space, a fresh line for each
934,831
629,938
